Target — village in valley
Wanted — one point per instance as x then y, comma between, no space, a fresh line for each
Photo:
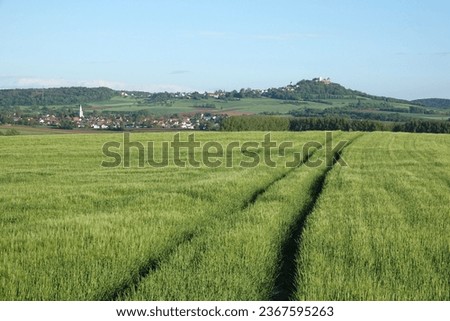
119,121
204,114
199,121
318,100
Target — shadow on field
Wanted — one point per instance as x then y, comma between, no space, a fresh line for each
285,282
254,197
118,292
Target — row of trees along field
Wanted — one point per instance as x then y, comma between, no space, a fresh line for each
274,123
54,96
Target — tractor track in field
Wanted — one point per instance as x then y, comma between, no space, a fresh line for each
153,264
252,200
254,197
285,281
117,292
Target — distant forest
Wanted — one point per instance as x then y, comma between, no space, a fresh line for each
54,96
433,102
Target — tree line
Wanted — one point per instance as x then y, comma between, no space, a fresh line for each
277,123
434,103
347,112
54,96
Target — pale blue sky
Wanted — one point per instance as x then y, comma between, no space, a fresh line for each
398,48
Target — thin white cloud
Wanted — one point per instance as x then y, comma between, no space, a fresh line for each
263,37
10,82
103,83
213,34
178,72
172,88
35,82
442,53
437,53
285,36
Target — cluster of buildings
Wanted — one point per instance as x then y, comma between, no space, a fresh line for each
323,80
199,121
116,121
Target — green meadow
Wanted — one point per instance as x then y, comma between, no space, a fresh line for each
186,106
370,221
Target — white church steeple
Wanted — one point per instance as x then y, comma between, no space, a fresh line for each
81,112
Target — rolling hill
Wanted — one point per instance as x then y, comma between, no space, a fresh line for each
306,98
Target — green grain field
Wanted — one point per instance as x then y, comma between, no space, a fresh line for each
238,229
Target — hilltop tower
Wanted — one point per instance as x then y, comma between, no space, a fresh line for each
81,112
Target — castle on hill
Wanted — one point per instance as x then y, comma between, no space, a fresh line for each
326,81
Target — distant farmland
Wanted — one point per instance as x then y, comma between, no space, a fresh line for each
231,229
